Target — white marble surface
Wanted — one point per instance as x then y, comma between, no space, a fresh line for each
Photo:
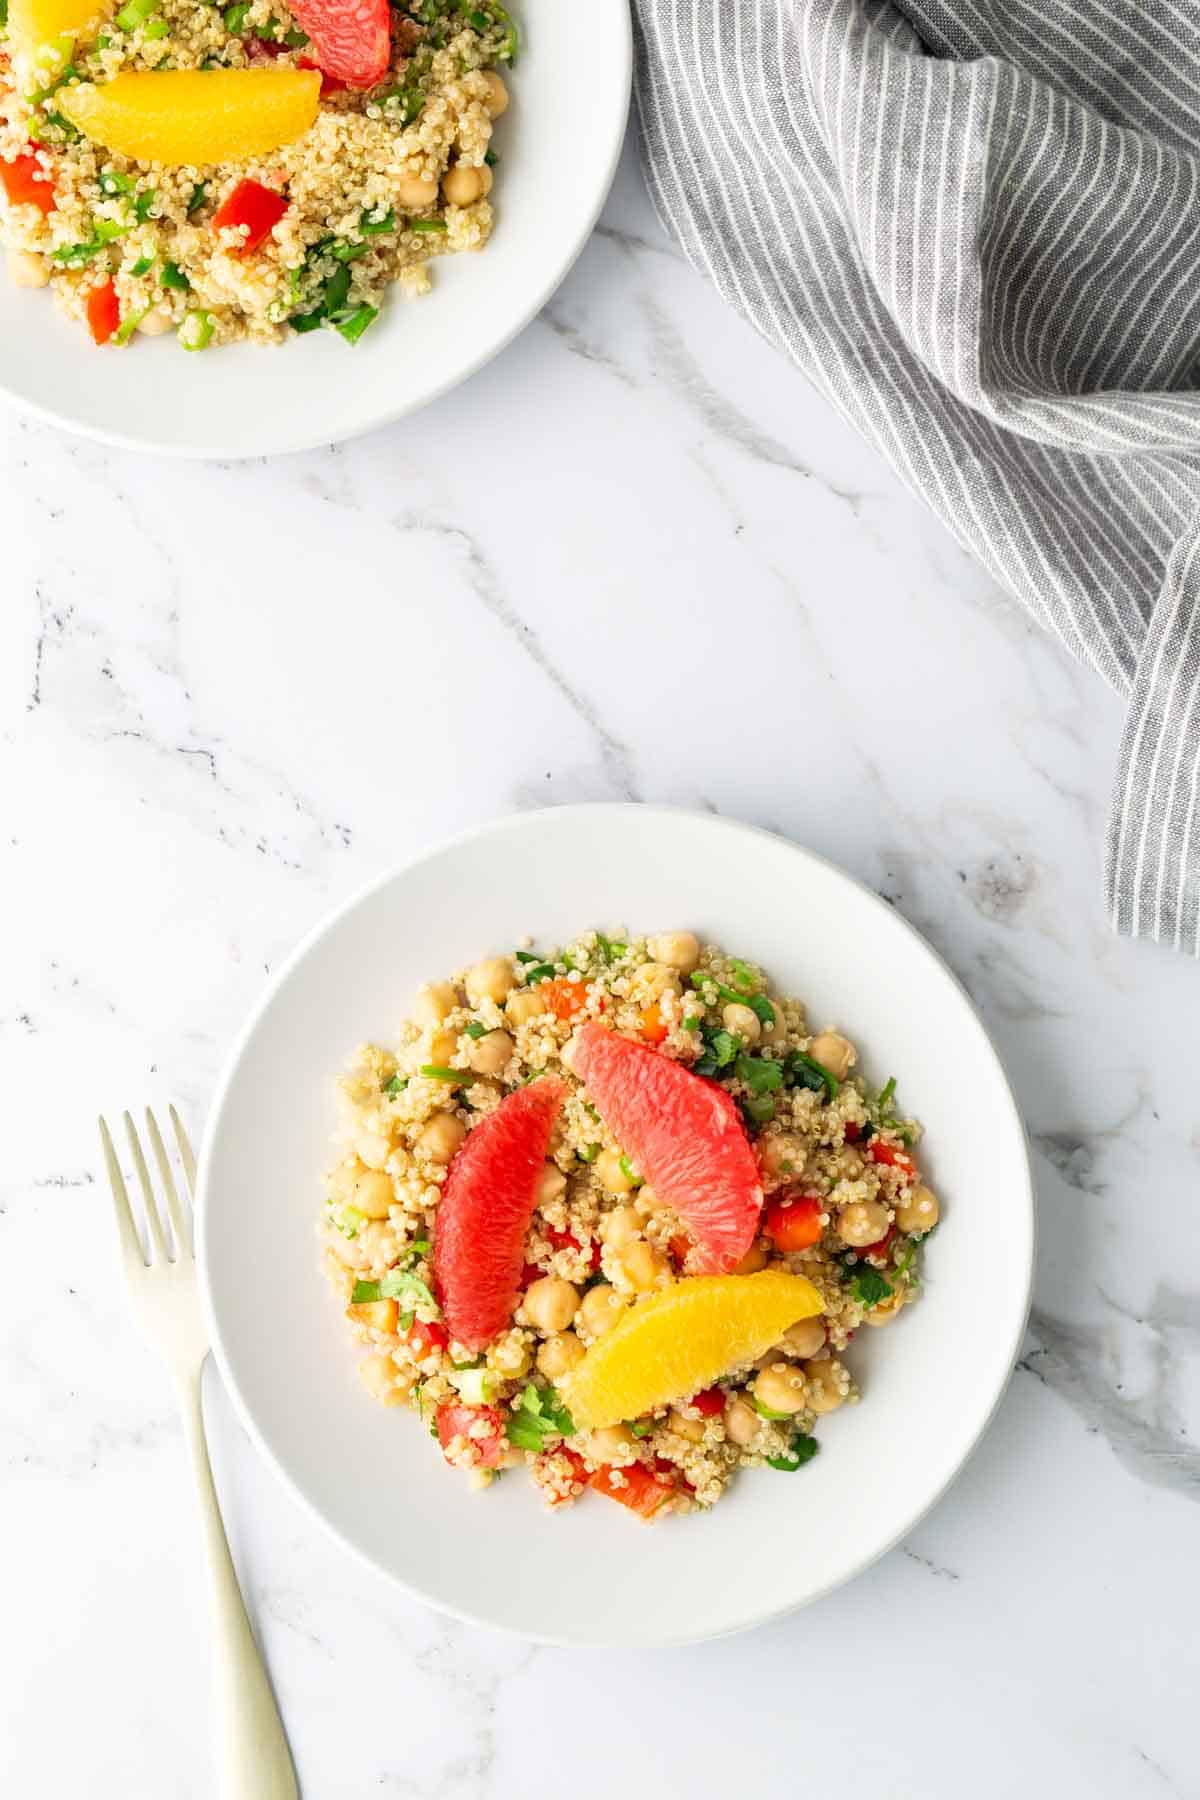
635,557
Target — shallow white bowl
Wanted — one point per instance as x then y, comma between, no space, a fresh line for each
558,142
930,1382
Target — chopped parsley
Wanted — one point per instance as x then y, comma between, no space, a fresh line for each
396,1085
588,1153
539,971
527,956
475,1029
537,1417
760,1074
641,1428
720,1049
400,1281
868,1286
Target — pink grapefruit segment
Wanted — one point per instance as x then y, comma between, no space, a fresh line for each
685,1137
351,39
485,1209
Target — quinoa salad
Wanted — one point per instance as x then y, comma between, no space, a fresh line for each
254,170
615,1211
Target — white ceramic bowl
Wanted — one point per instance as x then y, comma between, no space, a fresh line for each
930,1382
559,143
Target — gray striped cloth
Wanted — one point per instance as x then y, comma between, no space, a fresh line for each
975,225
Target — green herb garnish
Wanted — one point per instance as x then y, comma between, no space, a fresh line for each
765,1412
641,1428
400,1281
113,182
588,1153
372,227
759,1109
609,951
803,1449
352,326
427,225
809,1073
173,277
868,1286
629,1172
475,1029
759,1073
142,204
135,13
365,1291
235,17
434,1072
538,1417
759,1005
396,1085
197,199
542,971
142,266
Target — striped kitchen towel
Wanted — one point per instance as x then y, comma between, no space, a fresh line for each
975,224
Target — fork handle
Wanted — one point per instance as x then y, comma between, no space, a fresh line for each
253,1760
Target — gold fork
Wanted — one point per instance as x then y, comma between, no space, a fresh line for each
253,1759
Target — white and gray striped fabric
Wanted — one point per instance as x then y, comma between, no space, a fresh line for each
975,224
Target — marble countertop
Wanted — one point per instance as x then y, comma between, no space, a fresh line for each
635,557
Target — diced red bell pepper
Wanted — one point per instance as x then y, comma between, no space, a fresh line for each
709,1403
651,1024
881,1152
424,1337
566,1240
794,1221
103,312
579,1472
564,998
25,183
256,207
531,1273
634,1487
457,1420
853,1132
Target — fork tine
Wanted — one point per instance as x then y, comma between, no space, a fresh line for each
187,1154
153,1222
180,1226
126,1229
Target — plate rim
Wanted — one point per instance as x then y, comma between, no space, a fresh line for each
427,852
299,442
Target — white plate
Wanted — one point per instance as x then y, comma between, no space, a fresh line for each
559,142
930,1382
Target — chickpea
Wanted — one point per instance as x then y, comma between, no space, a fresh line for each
834,1052
682,1426
783,1154
559,1355
442,1046
600,1308
157,321
511,1357
372,1148
441,1137
497,94
862,1222
490,1053
643,1266
26,269
805,1337
550,1304
552,1184
524,1004
463,183
373,1193
379,1375
884,1311
434,1002
828,1383
777,1028
754,1259
414,193
781,1388
678,949
492,979
743,1021
918,1211
742,1423
613,1444
622,1228
610,1173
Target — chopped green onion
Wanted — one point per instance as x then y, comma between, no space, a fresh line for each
197,199
693,1022
347,252
765,1412
542,971
641,1428
353,327
135,13
196,331
348,1221
234,17
128,326
477,1387
887,1094
173,277
609,950
73,255
103,41
434,1072
142,266
475,1029
629,1172
396,1085
427,225
812,1074
478,20
113,182
407,103
418,1248
336,291
365,1291
157,28
400,1281
309,321
589,1153
490,158
527,956
372,227
142,204
802,1450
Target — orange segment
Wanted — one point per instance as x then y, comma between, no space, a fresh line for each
37,25
683,1339
195,115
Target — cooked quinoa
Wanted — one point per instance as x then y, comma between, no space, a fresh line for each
829,1148
384,181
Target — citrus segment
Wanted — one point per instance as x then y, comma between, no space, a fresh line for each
684,1135
40,25
185,116
351,40
485,1209
682,1340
